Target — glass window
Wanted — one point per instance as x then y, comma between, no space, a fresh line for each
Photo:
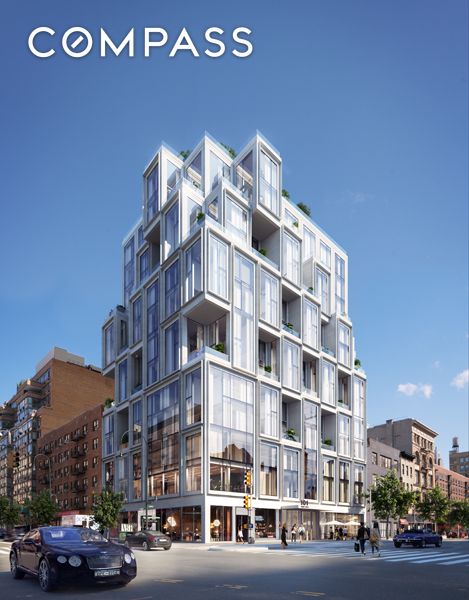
310,325
269,299
171,230
358,485
344,345
109,351
269,183
171,344
291,259
137,476
163,441
136,422
291,365
325,254
236,218
108,426
243,313
328,480
218,169
290,473
193,397
290,218
129,269
193,463
231,438
193,276
339,285
172,291
218,267
122,369
144,265
140,238
269,411
268,470
152,193
328,383
172,177
309,243
244,176
137,320
322,289
344,482
153,322
311,444
344,435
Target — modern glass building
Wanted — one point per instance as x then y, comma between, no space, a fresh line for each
232,350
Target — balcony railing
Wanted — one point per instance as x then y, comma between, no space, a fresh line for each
344,403
290,329
264,257
200,353
328,351
330,447
265,372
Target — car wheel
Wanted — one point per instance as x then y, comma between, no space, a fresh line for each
167,548
44,576
438,544
16,572
145,546
397,544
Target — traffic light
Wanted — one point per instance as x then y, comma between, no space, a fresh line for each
247,478
246,502
17,460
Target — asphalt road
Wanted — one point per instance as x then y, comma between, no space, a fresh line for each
330,571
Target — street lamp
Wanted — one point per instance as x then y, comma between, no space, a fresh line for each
48,463
144,472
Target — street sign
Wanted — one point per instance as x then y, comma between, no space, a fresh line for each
251,525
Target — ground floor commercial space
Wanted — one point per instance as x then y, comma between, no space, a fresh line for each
224,519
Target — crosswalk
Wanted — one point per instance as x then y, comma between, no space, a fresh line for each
389,554
5,548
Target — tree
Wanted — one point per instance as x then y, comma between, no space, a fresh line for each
9,512
459,514
389,498
106,509
42,510
434,506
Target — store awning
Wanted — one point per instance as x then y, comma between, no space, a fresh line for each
403,522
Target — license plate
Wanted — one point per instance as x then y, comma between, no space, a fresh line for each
106,572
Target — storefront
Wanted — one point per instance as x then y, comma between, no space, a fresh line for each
221,529
306,517
181,524
266,523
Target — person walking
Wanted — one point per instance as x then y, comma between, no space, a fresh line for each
240,535
301,533
363,534
375,539
293,533
283,537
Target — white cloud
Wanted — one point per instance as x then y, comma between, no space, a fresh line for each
412,389
436,364
361,197
408,389
461,379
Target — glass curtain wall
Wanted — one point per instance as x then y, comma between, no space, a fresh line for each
243,313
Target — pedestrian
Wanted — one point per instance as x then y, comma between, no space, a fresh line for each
341,533
363,534
375,538
301,533
293,533
240,535
283,537
331,533
345,533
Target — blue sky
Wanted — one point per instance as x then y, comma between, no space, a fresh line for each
367,102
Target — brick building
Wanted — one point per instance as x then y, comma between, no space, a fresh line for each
62,387
71,462
454,485
458,461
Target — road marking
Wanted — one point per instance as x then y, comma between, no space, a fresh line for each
457,561
143,598
420,560
168,580
304,593
232,586
435,559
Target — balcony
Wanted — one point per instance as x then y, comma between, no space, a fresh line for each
77,452
217,350
78,435
78,471
266,371
262,255
288,327
328,445
328,351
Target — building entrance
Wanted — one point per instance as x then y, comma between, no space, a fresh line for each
242,528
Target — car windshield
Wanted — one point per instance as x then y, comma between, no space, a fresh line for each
71,535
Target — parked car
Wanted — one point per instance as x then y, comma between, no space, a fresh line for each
418,538
147,540
3,532
60,554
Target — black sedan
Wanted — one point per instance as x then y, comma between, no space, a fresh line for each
60,554
418,538
147,540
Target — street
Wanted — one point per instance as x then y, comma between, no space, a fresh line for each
319,569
